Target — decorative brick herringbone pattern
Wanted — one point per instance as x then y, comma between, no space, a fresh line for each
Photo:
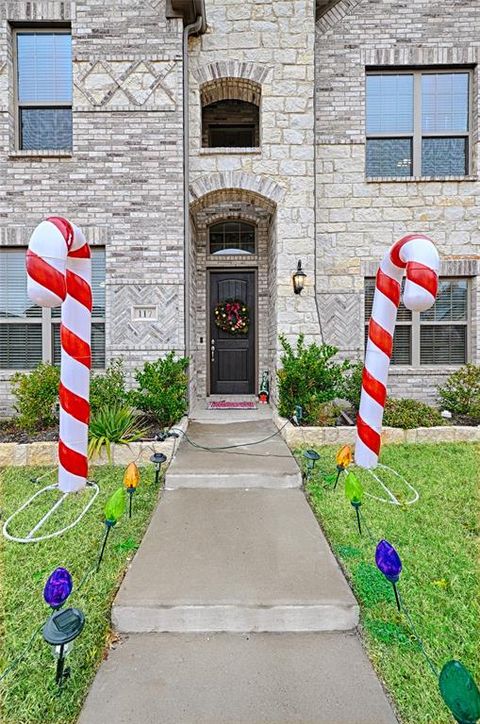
160,334
341,320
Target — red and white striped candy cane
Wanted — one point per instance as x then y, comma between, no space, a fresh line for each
418,256
59,272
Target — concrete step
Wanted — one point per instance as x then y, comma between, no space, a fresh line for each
237,679
234,560
266,465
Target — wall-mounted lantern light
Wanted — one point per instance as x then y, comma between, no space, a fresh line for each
298,278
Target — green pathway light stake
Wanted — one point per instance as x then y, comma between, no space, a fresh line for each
354,493
114,510
460,692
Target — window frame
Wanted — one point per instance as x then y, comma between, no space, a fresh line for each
45,320
415,324
417,135
19,105
245,254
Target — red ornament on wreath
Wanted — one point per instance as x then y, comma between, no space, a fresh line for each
232,316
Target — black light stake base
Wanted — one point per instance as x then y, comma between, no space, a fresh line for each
357,511
397,597
108,526
130,492
61,673
340,469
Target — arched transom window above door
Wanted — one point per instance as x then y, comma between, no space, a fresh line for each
232,237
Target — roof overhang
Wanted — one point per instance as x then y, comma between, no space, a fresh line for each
323,6
189,10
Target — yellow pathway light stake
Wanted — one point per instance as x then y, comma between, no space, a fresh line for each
130,481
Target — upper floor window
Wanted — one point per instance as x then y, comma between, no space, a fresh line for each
44,89
30,334
232,237
438,336
231,113
418,123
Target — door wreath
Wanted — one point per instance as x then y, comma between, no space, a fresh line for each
232,316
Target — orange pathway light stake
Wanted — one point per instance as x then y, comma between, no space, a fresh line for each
344,458
131,479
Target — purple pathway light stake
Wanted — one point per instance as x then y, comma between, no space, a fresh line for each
389,563
58,587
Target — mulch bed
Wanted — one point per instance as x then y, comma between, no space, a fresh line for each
9,432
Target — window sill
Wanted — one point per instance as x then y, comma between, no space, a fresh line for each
230,150
416,179
427,370
67,153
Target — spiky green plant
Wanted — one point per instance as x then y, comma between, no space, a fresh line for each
118,424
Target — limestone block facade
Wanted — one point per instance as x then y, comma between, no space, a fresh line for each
130,183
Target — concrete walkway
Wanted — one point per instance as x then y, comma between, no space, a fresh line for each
234,608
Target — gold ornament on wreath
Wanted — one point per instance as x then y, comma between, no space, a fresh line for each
232,316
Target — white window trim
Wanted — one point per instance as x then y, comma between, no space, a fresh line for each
415,324
57,29
417,134
45,320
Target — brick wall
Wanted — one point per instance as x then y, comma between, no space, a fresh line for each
123,183
357,220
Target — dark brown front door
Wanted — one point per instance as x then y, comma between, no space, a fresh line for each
232,357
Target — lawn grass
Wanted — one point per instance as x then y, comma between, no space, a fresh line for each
29,694
437,539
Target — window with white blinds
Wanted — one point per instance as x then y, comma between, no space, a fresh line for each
30,334
44,89
438,336
418,123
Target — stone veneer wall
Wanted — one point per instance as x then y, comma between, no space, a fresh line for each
357,220
271,43
123,182
213,213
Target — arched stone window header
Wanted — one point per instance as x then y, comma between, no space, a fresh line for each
239,89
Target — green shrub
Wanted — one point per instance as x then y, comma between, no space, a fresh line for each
461,392
162,389
324,414
36,395
407,414
308,377
109,388
352,385
114,424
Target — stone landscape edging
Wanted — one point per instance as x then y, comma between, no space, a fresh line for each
46,453
345,435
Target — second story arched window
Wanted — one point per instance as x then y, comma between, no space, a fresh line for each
231,113
232,237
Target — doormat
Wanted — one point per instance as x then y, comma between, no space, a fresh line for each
227,405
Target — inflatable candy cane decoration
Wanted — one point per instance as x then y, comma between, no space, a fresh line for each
417,255
59,272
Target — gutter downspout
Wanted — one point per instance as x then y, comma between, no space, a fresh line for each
199,26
